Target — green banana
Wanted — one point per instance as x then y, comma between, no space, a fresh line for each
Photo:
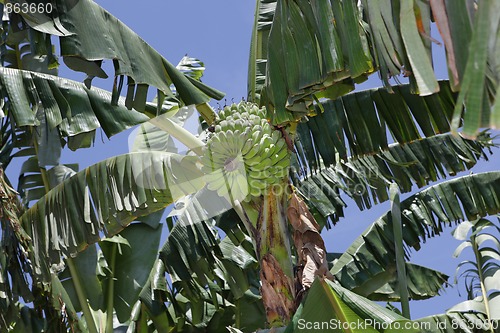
242,134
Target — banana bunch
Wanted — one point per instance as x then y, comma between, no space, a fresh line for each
244,155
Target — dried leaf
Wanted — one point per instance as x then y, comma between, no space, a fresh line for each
309,243
276,292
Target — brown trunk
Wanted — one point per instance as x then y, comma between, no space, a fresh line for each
274,252
266,221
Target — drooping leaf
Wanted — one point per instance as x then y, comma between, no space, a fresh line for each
362,121
68,106
424,215
213,283
264,14
84,46
331,45
105,197
366,179
414,23
480,80
49,146
131,266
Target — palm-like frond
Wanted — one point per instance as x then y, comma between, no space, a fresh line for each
423,215
264,14
347,146
84,46
424,282
105,197
213,285
366,179
67,104
366,121
331,45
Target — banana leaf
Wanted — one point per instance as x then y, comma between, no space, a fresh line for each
84,46
424,215
105,198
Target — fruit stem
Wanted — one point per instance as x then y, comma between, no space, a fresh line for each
180,133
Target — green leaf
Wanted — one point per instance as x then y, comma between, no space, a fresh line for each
86,45
69,106
396,36
385,38
264,14
214,282
423,282
366,117
397,224
478,90
48,141
86,265
410,17
318,54
105,197
424,215
132,265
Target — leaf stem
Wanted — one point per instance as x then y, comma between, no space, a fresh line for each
398,245
80,293
180,133
478,256
111,286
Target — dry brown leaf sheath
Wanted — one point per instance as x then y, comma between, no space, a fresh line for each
308,242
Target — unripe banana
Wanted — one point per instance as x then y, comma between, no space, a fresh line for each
280,153
253,151
257,133
243,136
284,163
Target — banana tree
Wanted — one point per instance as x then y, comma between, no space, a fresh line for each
271,173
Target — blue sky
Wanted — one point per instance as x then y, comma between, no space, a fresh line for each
218,32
